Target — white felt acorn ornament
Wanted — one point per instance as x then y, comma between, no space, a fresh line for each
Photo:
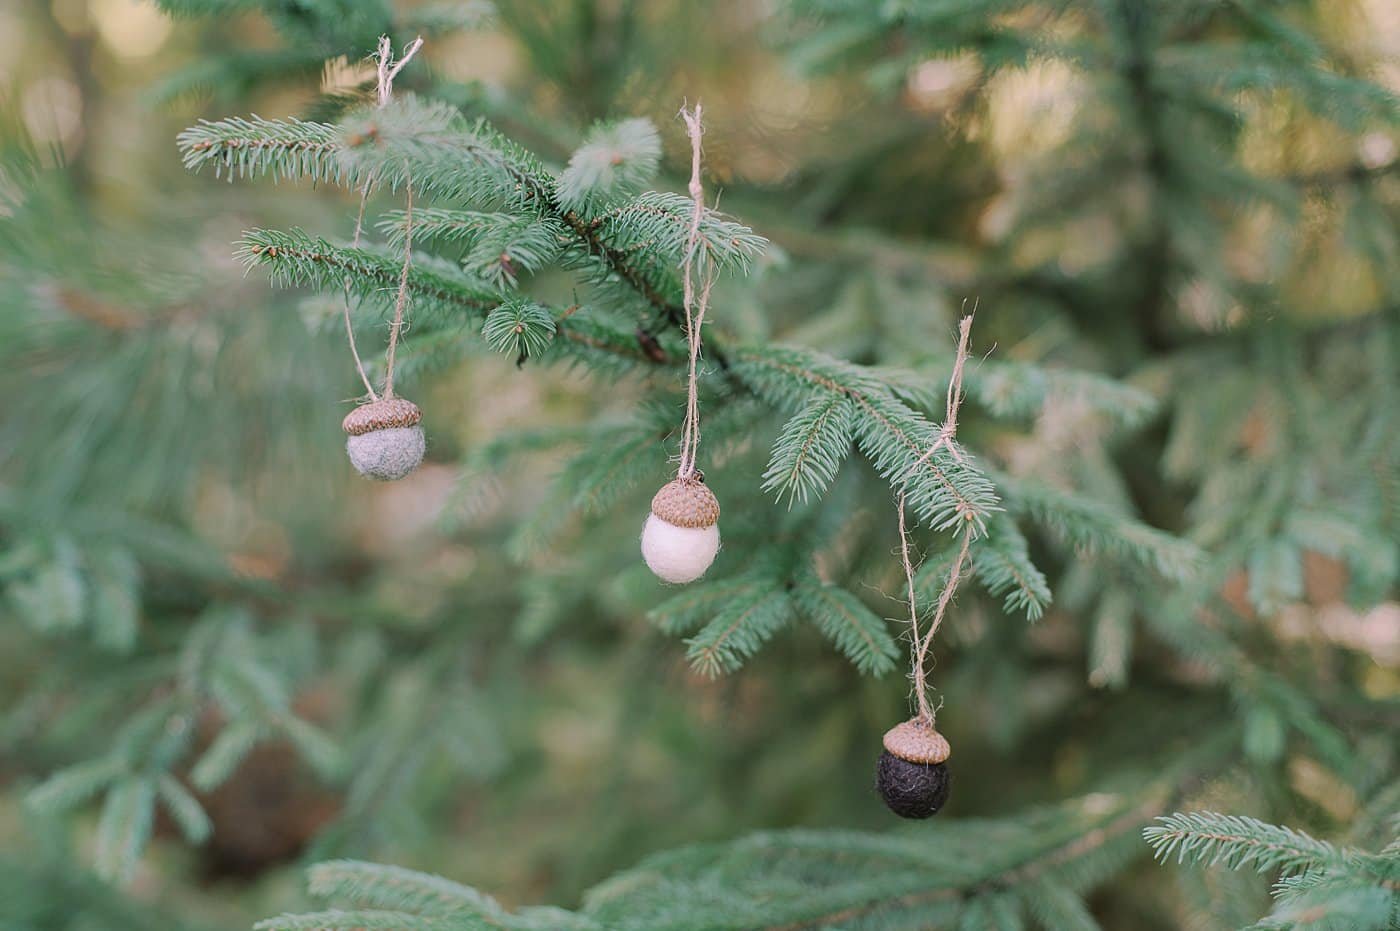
385,440
681,535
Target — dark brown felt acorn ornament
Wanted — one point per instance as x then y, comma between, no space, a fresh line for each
385,440
912,773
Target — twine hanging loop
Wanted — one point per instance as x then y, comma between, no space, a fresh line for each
946,439
386,69
698,277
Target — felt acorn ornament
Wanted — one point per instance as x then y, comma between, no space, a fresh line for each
912,773
681,535
385,440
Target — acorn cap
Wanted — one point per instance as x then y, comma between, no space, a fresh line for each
686,502
917,742
381,415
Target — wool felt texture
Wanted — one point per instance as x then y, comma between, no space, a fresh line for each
916,741
678,554
381,413
686,502
911,790
387,454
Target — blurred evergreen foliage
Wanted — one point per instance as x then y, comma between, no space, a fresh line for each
224,656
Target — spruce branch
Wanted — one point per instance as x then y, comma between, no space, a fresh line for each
660,221
945,490
618,262
1056,908
500,246
197,8
1236,841
858,632
184,809
124,827
441,294
521,327
1001,562
683,613
365,920
297,258
1093,527
783,881
76,784
1019,389
609,468
393,888
1044,848
605,345
614,162
288,149
471,163
746,622
811,448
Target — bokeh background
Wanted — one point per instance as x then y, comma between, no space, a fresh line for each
483,690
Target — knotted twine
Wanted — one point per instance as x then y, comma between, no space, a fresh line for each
386,69
947,435
696,283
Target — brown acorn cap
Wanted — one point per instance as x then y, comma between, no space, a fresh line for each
686,502
380,415
916,741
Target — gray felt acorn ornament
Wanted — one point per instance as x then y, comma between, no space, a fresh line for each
385,440
912,773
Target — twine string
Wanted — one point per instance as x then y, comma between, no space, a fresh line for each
946,439
386,69
345,305
389,69
696,296
401,300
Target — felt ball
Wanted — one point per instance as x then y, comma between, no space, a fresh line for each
681,536
385,441
911,790
678,554
912,773
387,454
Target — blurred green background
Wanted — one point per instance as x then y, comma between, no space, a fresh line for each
502,710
